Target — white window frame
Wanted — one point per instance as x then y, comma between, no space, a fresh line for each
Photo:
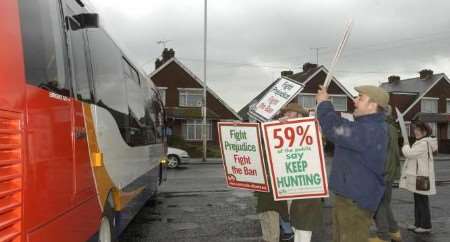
162,94
300,100
183,94
448,130
448,105
422,108
408,128
335,107
196,124
405,93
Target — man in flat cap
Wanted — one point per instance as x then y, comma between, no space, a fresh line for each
356,176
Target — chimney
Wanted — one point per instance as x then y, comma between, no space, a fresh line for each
287,73
166,55
393,79
158,63
308,66
425,73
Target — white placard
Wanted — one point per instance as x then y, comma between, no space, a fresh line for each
242,155
280,94
296,159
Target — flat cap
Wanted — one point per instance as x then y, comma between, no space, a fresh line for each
294,107
376,94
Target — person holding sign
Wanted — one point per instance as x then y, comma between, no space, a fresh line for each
269,210
387,227
358,163
305,214
271,213
419,165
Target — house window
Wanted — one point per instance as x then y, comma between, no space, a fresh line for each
339,103
192,129
408,128
162,94
429,105
191,98
448,106
448,130
307,101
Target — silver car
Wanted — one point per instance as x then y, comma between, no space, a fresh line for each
176,156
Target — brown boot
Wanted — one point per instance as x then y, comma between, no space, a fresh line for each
396,236
376,239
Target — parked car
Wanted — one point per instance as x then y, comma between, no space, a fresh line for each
176,156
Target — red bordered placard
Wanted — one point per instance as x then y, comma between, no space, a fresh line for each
242,155
277,158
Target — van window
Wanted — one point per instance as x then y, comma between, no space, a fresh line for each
45,50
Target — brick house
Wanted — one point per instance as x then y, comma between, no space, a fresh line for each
182,94
312,76
425,98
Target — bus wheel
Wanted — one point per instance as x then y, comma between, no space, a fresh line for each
105,230
107,224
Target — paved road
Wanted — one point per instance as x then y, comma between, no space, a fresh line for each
195,205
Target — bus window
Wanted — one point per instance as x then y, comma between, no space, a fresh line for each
45,52
142,122
158,115
129,71
79,65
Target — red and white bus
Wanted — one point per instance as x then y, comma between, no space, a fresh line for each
81,128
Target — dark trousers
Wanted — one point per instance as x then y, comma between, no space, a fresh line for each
422,211
384,218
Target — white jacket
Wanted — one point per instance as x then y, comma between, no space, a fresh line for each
417,163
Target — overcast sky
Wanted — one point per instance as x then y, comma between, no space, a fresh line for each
251,41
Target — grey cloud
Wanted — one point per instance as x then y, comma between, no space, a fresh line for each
388,37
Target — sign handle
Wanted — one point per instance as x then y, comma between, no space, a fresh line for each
338,54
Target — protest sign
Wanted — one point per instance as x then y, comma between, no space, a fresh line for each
279,95
296,160
242,155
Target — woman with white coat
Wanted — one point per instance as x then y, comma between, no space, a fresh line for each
419,162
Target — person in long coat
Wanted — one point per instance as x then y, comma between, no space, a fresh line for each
305,214
419,162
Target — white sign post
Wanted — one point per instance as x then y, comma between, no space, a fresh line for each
401,123
296,160
280,95
337,55
243,156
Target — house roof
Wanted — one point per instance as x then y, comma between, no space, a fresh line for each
302,77
200,82
411,85
414,85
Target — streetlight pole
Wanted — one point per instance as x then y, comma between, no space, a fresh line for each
204,127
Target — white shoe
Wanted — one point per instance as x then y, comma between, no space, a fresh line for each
422,230
302,236
411,227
